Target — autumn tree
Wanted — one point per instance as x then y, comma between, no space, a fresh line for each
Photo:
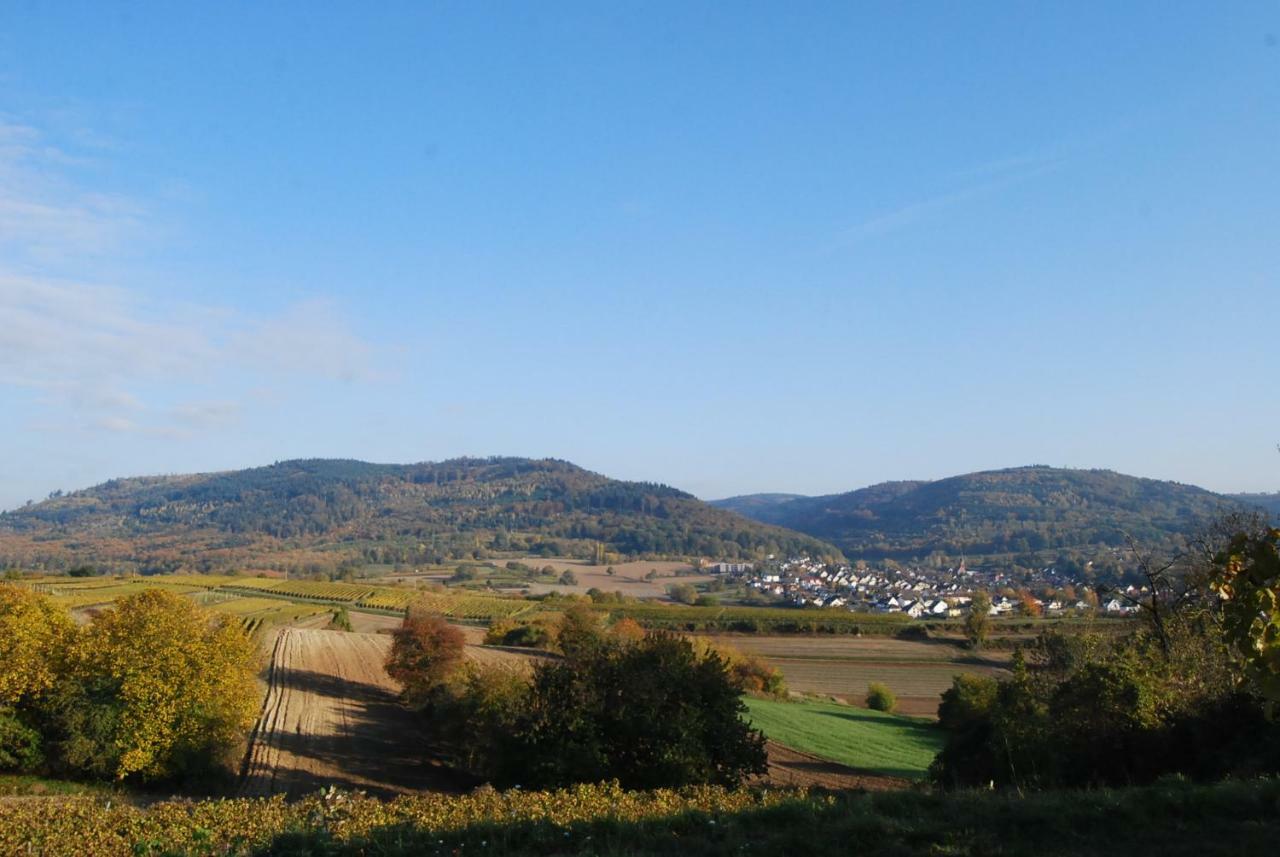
627,630
425,651
1028,605
155,690
34,633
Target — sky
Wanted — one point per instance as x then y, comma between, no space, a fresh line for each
732,247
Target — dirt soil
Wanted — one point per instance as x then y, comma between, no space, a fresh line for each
332,717
792,768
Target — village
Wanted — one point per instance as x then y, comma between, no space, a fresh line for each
923,593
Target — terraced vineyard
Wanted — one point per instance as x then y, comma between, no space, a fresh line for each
273,600
390,599
474,607
319,590
77,595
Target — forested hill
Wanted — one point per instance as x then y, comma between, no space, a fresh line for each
1269,502
326,511
1030,511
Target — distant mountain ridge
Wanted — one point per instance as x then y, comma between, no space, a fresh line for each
326,511
1021,510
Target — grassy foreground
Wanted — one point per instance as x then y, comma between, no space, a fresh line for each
1170,819
868,740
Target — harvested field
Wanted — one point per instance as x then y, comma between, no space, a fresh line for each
373,623
842,666
332,717
628,577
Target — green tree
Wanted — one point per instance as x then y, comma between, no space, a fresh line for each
977,621
651,714
685,593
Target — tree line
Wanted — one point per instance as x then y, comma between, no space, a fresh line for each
1191,689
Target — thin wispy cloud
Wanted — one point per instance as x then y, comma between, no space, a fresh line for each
111,358
974,182
44,214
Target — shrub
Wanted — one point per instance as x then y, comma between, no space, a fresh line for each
750,673
472,714
529,635
685,593
341,620
19,744
627,630
880,698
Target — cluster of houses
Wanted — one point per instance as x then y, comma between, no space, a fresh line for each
918,592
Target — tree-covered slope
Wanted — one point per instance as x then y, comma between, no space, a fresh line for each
1019,510
384,512
757,506
1269,503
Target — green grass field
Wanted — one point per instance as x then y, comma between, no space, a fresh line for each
30,785
868,740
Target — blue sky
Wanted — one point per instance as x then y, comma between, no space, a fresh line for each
731,247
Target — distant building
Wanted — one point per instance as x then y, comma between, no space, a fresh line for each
729,568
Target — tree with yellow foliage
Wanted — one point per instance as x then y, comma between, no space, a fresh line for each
34,633
33,638
155,689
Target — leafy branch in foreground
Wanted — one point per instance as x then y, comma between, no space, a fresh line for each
1247,579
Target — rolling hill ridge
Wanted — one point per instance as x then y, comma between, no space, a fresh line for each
1021,510
324,511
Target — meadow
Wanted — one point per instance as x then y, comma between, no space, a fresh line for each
872,741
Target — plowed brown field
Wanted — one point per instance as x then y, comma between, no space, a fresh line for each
788,767
332,717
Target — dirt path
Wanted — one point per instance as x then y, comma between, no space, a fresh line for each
788,767
331,717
